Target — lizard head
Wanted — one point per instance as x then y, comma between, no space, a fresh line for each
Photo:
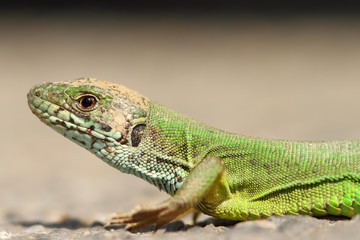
98,115
120,126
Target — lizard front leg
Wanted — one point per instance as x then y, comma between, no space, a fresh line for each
198,183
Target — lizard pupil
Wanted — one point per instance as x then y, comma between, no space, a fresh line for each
87,102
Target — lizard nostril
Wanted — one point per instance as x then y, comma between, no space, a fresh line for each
37,93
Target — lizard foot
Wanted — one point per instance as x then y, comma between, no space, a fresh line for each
195,187
143,216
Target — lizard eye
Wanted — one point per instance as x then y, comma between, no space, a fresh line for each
87,102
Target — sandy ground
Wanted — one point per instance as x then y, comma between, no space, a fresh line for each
287,78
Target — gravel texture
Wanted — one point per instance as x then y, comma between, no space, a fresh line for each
289,227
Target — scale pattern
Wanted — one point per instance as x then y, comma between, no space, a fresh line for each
262,177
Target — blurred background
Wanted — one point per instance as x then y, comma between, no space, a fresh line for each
266,70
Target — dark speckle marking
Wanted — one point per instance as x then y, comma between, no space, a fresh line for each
58,110
158,160
253,162
179,178
71,120
92,127
105,127
62,123
82,142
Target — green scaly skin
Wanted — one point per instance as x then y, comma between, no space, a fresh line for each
221,174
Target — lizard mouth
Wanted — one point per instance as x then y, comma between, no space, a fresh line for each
68,124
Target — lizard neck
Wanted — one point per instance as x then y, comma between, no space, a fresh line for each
171,145
185,142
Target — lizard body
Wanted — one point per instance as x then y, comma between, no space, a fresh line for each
221,174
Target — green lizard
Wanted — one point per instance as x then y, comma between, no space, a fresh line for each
221,174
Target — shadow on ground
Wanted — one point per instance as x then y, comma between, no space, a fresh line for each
73,224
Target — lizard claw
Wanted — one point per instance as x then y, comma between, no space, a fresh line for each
143,216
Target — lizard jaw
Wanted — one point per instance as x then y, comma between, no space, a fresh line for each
69,125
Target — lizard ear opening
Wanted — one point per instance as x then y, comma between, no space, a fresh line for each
137,134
